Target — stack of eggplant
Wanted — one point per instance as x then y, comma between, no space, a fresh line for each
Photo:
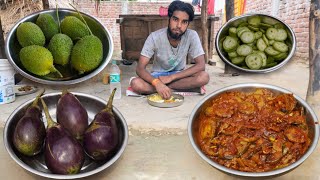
66,141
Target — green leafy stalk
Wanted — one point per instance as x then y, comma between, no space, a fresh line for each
57,11
81,18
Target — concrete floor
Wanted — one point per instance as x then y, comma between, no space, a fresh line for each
158,146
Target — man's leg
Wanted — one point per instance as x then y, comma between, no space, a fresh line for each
197,80
141,86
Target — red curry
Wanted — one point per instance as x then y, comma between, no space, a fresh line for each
253,132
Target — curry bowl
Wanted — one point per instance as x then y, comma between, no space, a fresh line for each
36,164
243,150
261,45
70,76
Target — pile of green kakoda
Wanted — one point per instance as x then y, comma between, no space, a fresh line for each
45,44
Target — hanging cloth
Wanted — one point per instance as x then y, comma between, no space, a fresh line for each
239,7
210,7
195,2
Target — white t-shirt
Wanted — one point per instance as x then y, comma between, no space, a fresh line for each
168,58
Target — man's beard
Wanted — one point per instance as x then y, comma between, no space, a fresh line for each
173,35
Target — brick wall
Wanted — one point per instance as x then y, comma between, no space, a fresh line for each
295,13
110,10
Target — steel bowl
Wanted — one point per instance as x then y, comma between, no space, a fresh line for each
234,22
36,164
312,121
12,48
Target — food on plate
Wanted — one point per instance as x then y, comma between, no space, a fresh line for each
29,133
28,33
157,98
37,60
60,46
72,115
102,135
48,25
253,131
87,54
258,43
63,154
74,28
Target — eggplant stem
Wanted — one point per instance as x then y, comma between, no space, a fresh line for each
50,122
35,102
64,91
110,101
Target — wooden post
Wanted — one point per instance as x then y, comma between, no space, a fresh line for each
229,15
2,51
45,4
313,93
204,27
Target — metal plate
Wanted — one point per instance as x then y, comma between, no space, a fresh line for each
166,104
36,164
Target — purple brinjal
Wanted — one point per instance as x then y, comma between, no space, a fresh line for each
63,153
102,136
29,133
72,115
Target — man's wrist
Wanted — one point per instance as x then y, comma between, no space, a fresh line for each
155,81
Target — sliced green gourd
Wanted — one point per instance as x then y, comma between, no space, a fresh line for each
279,26
247,37
271,65
232,54
269,20
254,20
270,59
281,35
261,45
252,28
265,39
265,26
281,56
280,46
264,58
258,34
271,33
271,42
243,24
262,30
244,50
238,60
233,32
254,61
271,51
230,44
240,30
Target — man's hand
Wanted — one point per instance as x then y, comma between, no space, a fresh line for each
163,90
166,79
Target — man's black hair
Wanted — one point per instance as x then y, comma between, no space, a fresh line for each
181,6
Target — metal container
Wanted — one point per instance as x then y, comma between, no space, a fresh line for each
12,47
312,121
234,22
166,104
36,164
